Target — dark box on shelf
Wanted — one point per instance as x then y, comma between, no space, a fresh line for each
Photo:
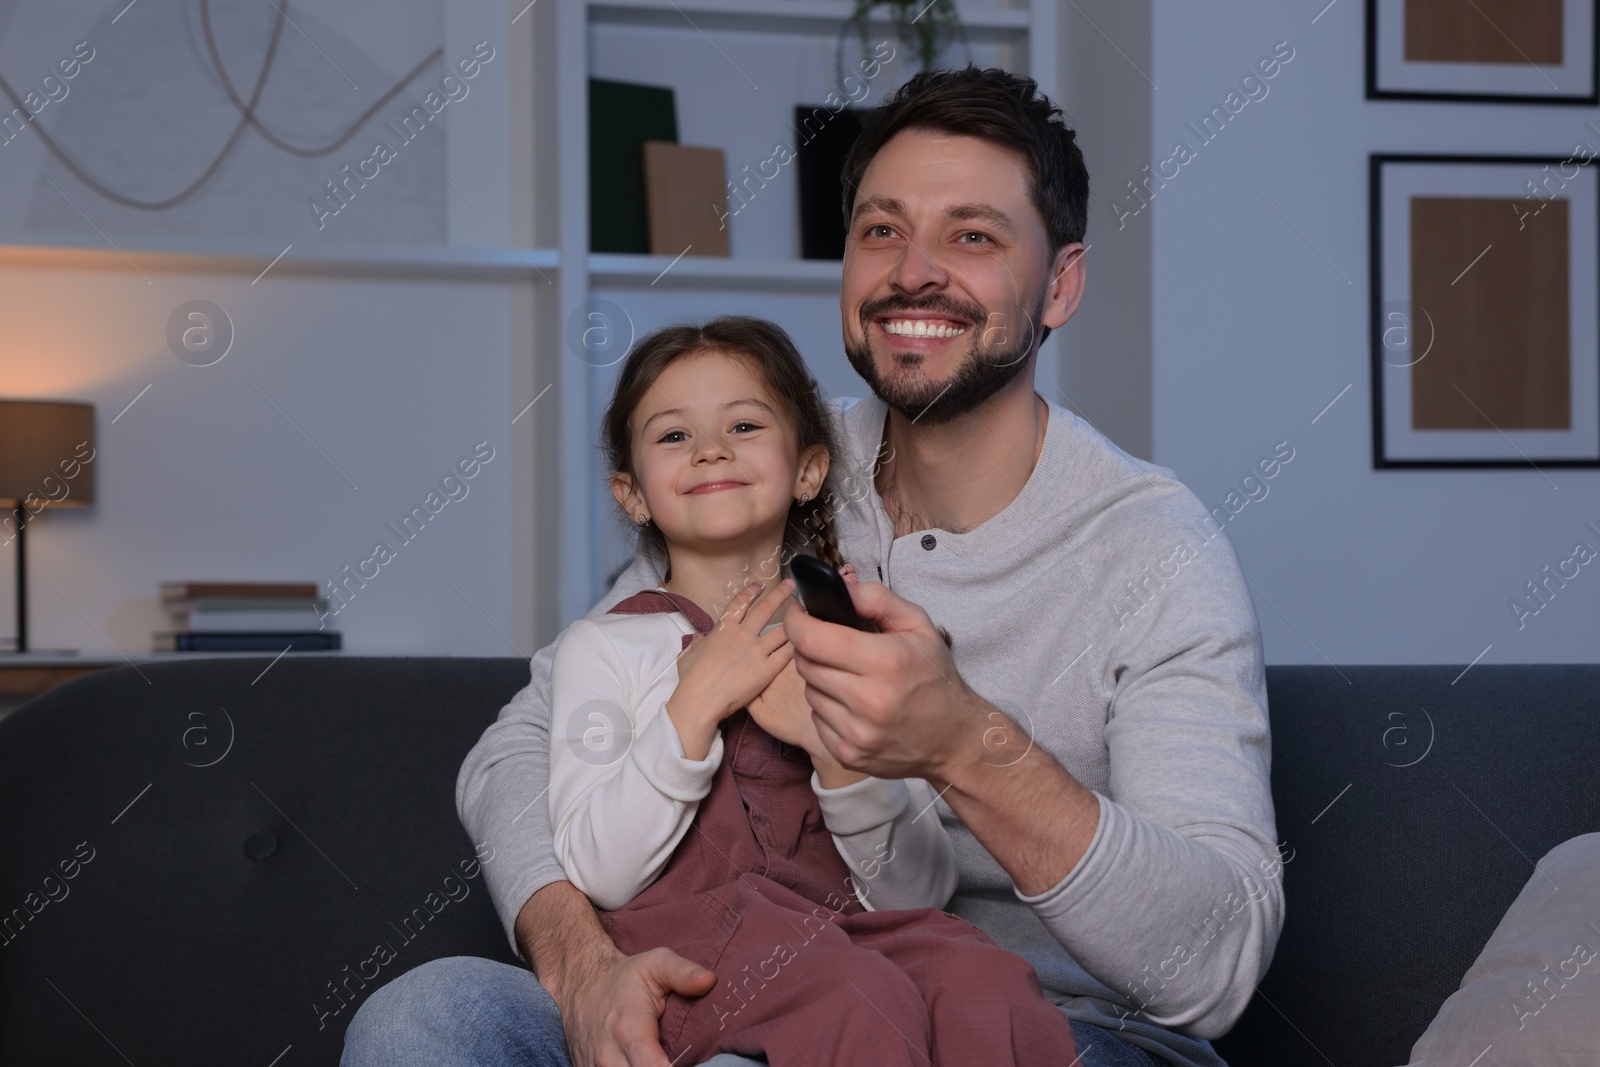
825,139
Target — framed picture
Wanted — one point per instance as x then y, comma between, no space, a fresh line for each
1495,51
1485,328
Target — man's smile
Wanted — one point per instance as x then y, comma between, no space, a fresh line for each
922,326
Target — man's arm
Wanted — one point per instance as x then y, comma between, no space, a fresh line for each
1178,914
1164,886
559,933
1185,861
610,1004
500,792
1168,889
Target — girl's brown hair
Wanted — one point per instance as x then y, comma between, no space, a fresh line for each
810,526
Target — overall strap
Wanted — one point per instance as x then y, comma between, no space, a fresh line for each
650,601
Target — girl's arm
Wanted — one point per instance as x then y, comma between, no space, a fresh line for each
889,833
622,794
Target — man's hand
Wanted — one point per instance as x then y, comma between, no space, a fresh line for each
612,1011
892,705
610,1003
889,704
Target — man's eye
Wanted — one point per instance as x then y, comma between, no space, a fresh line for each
874,231
981,237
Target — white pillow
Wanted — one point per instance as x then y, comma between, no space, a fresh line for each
1532,997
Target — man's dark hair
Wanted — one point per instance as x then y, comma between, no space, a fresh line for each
1000,107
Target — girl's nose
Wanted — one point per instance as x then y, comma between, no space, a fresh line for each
712,446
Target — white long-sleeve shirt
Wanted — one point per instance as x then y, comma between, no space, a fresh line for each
1104,611
622,793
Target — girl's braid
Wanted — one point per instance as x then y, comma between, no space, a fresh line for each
825,541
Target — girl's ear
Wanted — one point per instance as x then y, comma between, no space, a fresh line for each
622,488
813,472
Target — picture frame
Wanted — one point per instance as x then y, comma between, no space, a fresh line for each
1484,51
1485,329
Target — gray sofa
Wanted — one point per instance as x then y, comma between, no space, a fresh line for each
196,869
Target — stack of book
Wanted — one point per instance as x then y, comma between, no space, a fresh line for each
244,617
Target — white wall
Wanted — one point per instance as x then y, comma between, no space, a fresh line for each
1106,94
1257,327
202,478
390,377
1251,334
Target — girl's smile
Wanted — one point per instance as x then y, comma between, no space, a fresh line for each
713,487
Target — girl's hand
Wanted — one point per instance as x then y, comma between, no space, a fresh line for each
722,671
782,711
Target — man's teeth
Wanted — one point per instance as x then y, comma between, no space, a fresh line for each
922,328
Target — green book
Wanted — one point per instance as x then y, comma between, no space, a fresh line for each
622,116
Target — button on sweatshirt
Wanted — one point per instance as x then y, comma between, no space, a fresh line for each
1104,612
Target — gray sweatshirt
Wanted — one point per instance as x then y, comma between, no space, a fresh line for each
1104,612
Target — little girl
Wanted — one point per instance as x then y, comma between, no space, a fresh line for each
691,797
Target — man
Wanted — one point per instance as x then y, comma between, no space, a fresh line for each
1098,735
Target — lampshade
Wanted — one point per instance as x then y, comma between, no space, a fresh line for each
46,453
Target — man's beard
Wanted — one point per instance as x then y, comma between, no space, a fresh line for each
981,374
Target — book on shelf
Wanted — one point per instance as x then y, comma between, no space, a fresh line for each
248,613
280,620
215,616
622,117
686,199
180,591
233,641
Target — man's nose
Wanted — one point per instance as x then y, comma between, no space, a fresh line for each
917,269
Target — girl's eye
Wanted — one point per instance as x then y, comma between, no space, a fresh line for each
670,433
746,422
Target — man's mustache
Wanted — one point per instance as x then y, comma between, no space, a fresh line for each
938,303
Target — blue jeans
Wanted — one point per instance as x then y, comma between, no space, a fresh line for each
469,1012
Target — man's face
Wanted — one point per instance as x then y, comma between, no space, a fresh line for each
948,274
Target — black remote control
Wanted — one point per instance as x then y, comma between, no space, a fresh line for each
824,593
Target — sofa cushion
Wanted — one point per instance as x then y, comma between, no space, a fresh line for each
1411,802
230,902
1532,999
214,865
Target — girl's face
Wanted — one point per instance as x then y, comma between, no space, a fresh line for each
715,454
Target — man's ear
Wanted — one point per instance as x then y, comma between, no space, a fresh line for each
1065,291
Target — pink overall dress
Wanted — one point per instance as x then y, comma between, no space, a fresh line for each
757,892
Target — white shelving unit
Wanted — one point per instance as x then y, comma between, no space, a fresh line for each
707,272
712,52
452,262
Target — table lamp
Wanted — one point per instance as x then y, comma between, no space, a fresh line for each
46,460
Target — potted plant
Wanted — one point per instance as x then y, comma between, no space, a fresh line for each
924,27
